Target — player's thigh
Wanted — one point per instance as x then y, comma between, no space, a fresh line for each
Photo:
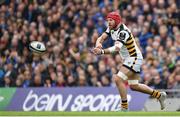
134,76
133,79
134,65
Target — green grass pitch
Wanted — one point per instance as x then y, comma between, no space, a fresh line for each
50,113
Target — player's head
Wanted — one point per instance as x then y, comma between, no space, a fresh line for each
113,19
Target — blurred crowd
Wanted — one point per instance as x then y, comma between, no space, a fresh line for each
69,29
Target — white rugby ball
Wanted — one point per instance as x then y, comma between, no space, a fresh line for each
37,47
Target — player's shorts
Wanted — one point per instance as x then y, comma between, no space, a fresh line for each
133,63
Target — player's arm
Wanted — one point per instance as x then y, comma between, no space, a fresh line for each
121,40
116,48
101,39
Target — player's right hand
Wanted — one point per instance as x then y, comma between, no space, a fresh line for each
97,51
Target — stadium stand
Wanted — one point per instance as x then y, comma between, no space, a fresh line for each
69,30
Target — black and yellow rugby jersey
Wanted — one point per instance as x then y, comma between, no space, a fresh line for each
124,35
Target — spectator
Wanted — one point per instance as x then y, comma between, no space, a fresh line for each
71,28
37,81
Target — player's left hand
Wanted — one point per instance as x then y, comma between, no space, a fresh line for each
97,51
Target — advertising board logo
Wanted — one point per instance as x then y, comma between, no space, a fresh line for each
79,102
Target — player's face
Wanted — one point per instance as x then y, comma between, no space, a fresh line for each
111,23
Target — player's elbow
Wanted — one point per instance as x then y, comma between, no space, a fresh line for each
118,45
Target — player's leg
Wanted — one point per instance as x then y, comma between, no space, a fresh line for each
134,85
134,65
122,91
119,79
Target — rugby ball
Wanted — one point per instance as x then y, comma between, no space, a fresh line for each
37,47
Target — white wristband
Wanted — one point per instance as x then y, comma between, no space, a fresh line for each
102,51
